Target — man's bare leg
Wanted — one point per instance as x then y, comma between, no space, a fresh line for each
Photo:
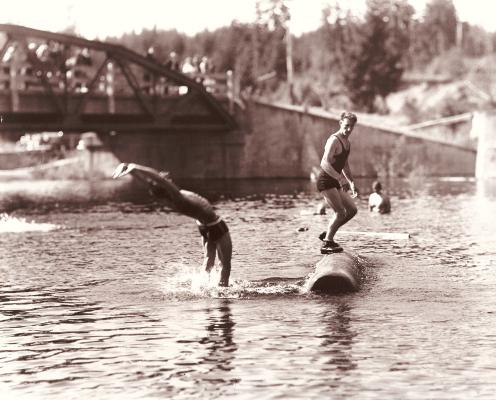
224,250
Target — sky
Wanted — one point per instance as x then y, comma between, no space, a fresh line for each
98,19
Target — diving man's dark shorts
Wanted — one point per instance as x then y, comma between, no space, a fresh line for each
214,232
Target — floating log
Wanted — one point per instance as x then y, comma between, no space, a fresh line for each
335,273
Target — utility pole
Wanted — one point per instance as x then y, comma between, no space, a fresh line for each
289,56
459,34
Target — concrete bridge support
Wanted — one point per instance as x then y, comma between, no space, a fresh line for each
287,141
276,141
484,127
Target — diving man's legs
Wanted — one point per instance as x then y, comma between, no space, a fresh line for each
209,248
223,247
224,250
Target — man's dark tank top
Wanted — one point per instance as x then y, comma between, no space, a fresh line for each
340,159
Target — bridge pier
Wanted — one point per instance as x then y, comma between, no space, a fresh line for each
97,162
484,127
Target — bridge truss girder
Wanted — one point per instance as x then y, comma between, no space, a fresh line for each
116,96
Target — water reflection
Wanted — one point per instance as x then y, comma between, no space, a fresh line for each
337,342
486,188
40,327
219,345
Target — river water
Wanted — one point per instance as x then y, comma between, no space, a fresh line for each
105,298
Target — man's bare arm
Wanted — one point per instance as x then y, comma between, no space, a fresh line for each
349,177
328,158
347,172
160,184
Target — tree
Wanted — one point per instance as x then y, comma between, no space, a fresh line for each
434,33
272,18
476,41
440,22
339,30
373,65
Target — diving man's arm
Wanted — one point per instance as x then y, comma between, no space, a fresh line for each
182,201
158,182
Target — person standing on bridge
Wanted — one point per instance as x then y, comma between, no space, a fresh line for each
334,163
216,238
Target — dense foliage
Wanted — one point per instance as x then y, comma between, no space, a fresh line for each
361,58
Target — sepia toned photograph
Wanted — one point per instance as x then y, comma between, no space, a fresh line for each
247,199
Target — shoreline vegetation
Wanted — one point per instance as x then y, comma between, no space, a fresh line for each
393,65
399,64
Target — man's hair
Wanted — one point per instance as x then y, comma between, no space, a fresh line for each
376,186
352,117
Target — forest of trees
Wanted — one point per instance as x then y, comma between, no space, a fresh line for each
360,59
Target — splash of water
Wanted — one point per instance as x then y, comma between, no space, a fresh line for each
14,224
194,283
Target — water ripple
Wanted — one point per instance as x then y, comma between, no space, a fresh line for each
112,297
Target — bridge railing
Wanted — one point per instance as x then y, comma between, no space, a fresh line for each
22,78
18,75
59,81
220,85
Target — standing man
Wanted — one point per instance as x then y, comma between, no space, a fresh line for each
334,163
172,63
213,229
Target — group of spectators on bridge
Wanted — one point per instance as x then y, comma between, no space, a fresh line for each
22,66
73,68
190,65
195,67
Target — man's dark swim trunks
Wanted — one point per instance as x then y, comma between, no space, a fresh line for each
213,232
325,181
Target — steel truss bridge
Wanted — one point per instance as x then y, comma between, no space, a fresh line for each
58,82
